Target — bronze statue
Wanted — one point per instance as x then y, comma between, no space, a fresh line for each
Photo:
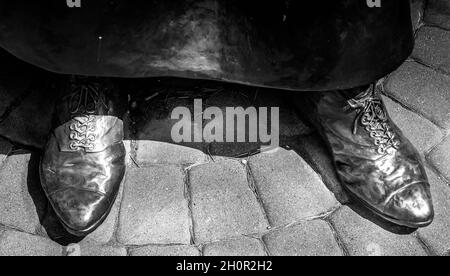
337,48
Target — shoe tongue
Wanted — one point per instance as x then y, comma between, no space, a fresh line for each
83,96
341,117
342,125
355,93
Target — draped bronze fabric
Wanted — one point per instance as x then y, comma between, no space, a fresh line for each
295,45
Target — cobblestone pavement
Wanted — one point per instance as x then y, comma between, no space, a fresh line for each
211,200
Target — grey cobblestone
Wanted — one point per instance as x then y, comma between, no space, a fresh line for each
151,152
238,247
17,208
440,158
438,13
177,250
313,238
422,133
437,235
432,46
14,243
422,89
364,238
154,210
223,205
92,249
313,149
290,189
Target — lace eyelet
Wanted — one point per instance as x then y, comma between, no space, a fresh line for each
373,117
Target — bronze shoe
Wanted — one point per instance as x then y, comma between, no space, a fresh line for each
376,164
84,160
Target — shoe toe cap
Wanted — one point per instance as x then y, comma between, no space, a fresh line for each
412,206
80,210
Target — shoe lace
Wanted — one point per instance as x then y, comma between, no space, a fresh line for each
82,133
372,116
83,103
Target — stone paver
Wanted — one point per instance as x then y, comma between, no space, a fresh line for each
364,238
154,209
237,247
152,152
223,205
312,149
313,238
440,158
182,251
17,206
422,133
14,243
422,89
437,235
290,189
438,13
432,46
91,249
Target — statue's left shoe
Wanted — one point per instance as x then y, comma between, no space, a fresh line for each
375,162
84,160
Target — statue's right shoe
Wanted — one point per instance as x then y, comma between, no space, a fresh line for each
84,160
375,163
